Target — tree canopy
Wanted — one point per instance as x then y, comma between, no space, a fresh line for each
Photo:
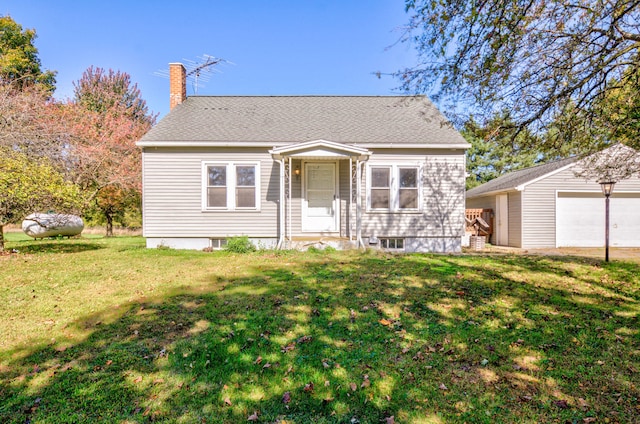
540,59
19,62
105,119
111,91
28,185
495,150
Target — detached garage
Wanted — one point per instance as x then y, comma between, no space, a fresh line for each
548,206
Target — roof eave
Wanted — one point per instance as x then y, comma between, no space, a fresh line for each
271,144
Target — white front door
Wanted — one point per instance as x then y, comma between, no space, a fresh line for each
502,220
320,204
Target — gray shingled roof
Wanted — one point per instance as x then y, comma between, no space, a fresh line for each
513,179
286,119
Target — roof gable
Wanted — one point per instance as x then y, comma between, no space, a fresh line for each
516,180
280,120
620,160
320,149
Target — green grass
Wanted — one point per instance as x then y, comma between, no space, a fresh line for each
105,330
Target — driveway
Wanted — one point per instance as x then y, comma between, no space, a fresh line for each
615,253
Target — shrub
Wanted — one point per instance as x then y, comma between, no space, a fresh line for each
240,245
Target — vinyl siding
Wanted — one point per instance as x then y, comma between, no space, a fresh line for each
172,185
442,180
515,219
539,204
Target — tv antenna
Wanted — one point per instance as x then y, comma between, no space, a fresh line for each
200,71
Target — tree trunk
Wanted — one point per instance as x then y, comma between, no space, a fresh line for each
109,216
1,237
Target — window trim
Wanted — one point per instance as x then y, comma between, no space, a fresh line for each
231,186
394,188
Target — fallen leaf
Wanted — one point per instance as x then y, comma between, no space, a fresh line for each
388,398
109,362
389,420
324,364
288,348
305,339
227,401
138,379
253,417
326,383
353,386
583,403
286,397
366,382
589,420
267,365
562,404
158,381
385,322
443,387
258,360
308,387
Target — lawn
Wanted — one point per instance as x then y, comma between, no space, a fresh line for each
97,329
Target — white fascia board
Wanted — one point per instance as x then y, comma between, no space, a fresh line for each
355,146
315,146
415,146
204,144
522,186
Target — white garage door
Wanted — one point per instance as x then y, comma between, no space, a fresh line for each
580,220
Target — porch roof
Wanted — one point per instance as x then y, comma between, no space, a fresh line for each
320,149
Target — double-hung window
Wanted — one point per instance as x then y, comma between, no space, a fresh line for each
380,187
394,188
231,186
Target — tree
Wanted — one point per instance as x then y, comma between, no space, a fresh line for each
19,62
495,150
28,185
105,119
537,58
102,91
28,123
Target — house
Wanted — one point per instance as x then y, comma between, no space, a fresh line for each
552,205
296,171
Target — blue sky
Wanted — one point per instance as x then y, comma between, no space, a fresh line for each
278,47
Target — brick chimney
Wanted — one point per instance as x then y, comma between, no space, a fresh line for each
177,84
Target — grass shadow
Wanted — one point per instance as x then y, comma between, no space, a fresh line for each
55,246
335,337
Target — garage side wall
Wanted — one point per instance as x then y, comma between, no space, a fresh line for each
539,204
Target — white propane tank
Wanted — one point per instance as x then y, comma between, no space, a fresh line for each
40,225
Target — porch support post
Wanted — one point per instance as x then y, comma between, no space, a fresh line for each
281,220
289,203
350,231
359,203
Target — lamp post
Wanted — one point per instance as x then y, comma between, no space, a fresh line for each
607,188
